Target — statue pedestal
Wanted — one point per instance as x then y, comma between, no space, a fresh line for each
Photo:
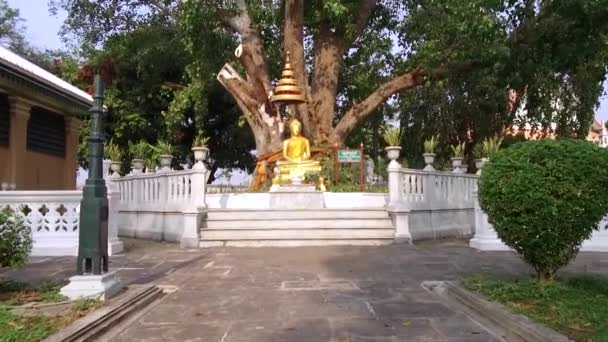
302,196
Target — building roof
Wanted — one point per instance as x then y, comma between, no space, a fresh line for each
34,72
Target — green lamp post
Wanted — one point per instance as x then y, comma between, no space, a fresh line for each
93,238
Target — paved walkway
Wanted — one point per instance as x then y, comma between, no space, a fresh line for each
341,294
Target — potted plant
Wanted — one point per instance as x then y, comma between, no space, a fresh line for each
487,148
139,151
458,151
429,152
391,136
199,147
164,150
479,160
112,152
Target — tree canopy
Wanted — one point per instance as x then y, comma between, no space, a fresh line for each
466,68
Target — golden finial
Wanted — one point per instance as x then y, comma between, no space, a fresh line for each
288,91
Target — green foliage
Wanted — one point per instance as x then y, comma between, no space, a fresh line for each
544,198
311,177
458,150
431,144
166,56
163,147
576,307
392,136
15,239
140,150
200,140
489,146
112,152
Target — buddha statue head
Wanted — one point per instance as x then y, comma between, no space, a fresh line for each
295,128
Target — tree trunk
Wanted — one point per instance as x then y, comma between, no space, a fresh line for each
329,49
545,275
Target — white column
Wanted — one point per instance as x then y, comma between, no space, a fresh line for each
115,246
485,238
397,208
194,213
394,183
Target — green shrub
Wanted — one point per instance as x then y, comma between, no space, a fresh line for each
15,239
544,199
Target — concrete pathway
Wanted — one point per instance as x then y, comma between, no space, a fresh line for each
338,294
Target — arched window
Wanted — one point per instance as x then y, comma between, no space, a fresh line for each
46,132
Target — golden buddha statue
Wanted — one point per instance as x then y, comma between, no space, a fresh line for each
296,160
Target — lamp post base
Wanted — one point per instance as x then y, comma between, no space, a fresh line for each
100,287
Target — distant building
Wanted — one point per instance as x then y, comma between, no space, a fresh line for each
598,133
39,126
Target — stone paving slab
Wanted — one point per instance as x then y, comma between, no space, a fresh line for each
311,294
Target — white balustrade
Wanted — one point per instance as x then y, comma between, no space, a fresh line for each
53,218
433,190
165,205
168,190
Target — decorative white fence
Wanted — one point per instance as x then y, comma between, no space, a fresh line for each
169,190
425,190
53,218
430,204
165,205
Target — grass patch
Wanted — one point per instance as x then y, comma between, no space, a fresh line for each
14,328
14,293
576,307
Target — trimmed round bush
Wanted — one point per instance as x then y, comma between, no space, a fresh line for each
544,198
15,239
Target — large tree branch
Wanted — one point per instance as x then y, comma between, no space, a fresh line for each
419,76
360,111
251,52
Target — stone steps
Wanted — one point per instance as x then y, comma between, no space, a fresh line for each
271,214
306,227
289,223
294,242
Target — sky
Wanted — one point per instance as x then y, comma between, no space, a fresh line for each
43,31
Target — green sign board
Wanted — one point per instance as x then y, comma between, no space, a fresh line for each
349,156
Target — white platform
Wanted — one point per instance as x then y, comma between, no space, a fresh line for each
100,287
329,200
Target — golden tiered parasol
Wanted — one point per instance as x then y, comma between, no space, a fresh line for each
288,91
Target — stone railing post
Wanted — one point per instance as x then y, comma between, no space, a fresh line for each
164,194
485,238
429,187
193,213
394,183
397,207
115,246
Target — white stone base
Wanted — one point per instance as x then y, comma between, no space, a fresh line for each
115,246
100,287
488,244
296,200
